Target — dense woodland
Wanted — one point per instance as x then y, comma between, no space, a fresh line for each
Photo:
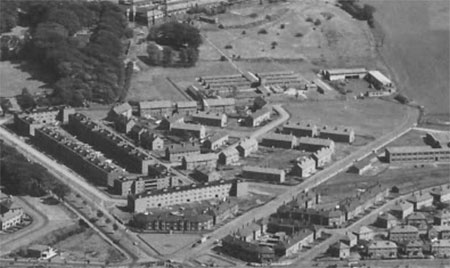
91,69
174,44
364,12
21,177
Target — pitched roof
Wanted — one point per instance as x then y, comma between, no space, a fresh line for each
403,229
248,143
402,206
316,141
191,127
363,230
382,245
201,157
219,102
337,71
121,108
279,137
155,104
260,112
264,170
186,104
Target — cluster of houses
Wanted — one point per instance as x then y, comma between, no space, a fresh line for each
412,231
10,214
260,242
202,217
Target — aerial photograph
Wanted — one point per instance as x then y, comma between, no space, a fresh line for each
224,133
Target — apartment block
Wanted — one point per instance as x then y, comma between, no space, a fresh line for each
207,161
155,108
279,141
247,146
216,141
337,134
183,130
264,174
210,119
258,117
305,168
301,129
176,152
314,144
322,156
414,154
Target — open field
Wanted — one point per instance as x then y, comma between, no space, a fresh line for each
416,47
336,39
13,80
371,118
407,179
167,244
413,137
88,245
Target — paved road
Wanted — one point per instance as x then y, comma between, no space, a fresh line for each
78,185
24,236
318,178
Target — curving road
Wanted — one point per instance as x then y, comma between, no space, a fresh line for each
318,178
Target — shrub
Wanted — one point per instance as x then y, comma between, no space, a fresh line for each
253,15
317,22
220,26
282,26
115,227
223,58
268,17
309,19
99,213
262,31
244,32
108,220
228,47
298,35
274,44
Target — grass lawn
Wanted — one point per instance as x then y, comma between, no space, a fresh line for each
411,138
13,80
370,118
407,179
169,243
90,245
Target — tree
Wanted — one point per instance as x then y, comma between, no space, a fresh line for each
8,16
167,56
176,35
27,100
60,190
154,53
66,18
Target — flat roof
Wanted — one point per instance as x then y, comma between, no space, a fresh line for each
415,149
265,170
338,71
183,188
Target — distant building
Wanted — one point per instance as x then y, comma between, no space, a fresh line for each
412,249
122,110
265,174
305,168
247,251
223,105
290,245
229,156
186,194
420,200
408,154
439,232
216,141
41,252
386,220
301,129
442,218
11,218
79,156
382,250
247,146
438,139
441,193
279,140
322,156
205,175
350,239
314,144
28,122
337,134
210,119
309,199
251,232
347,73
151,141
176,152
403,233
360,167
418,220
135,159
182,130
168,222
322,87
402,209
223,210
364,233
186,107
207,161
258,117
441,248
340,250
155,108
379,80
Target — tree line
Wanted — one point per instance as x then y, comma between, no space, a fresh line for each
173,44
91,70
22,177
364,12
